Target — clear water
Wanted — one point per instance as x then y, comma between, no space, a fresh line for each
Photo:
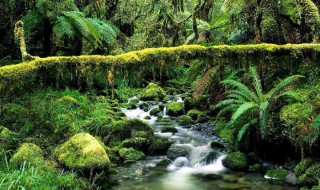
196,172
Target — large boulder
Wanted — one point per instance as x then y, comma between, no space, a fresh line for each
29,153
236,161
185,120
153,92
175,108
138,143
82,151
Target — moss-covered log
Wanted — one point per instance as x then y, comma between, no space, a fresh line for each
85,71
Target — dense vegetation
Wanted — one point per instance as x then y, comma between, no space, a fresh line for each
69,67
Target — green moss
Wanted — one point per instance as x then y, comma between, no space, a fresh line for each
153,92
296,114
185,120
311,176
236,161
19,35
138,143
155,111
278,174
175,108
159,146
90,69
29,153
171,129
82,151
131,154
194,114
302,166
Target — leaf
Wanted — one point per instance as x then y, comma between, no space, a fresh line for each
228,102
314,131
290,94
284,83
242,132
242,88
263,117
244,108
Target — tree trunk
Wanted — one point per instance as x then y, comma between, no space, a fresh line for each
47,38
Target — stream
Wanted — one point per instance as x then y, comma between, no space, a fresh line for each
200,168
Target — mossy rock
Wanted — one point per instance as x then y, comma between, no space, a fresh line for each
170,129
194,114
302,166
144,105
159,146
311,176
236,161
129,106
124,129
153,92
175,108
296,114
82,151
138,143
155,111
130,154
189,103
185,120
278,174
29,153
147,117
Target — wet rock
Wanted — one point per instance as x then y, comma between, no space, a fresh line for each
159,146
170,129
210,158
217,145
291,178
138,143
189,103
155,111
144,105
177,151
277,175
130,155
236,161
232,186
205,128
164,162
147,117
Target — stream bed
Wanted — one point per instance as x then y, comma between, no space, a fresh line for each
199,167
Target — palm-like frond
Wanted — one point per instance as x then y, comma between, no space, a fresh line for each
63,28
242,88
290,94
107,30
314,131
83,26
263,116
32,20
242,132
228,102
243,109
229,108
284,83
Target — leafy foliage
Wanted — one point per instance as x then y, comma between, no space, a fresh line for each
244,100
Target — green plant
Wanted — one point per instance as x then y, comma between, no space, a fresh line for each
243,99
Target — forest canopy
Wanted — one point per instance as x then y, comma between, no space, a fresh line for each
74,27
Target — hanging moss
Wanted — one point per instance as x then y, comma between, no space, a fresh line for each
19,35
85,71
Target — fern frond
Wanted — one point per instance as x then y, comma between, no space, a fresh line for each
284,83
32,20
62,28
242,88
244,108
235,93
290,94
226,109
105,29
314,131
242,132
228,102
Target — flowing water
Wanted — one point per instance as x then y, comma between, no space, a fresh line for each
201,169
